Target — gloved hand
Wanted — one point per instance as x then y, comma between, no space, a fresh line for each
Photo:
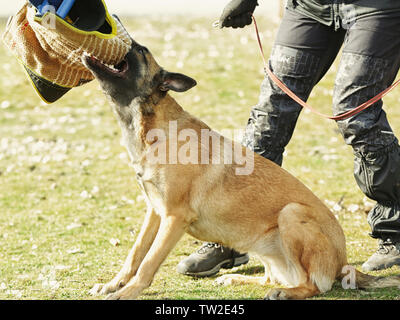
237,13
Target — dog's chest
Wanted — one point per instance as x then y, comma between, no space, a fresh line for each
152,186
147,174
132,142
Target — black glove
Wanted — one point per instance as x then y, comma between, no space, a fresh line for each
237,13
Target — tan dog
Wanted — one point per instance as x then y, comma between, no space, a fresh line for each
265,211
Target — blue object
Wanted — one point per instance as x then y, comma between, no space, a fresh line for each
43,7
63,7
36,3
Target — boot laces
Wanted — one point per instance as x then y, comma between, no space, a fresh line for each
209,246
386,247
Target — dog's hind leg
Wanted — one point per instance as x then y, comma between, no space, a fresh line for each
143,243
172,228
311,259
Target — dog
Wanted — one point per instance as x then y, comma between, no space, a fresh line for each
268,212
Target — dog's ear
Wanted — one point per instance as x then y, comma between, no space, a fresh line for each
176,82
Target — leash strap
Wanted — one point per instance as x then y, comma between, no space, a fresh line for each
292,95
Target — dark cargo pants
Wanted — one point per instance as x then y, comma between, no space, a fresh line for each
302,54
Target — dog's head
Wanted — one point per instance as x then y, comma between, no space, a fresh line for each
137,76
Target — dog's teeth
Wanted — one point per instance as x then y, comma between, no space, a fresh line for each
110,66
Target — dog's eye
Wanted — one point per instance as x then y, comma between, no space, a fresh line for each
142,50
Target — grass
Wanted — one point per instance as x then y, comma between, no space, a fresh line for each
66,189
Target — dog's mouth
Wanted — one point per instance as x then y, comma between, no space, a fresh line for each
95,65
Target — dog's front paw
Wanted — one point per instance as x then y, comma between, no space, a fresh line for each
225,280
96,290
121,295
104,289
276,294
113,296
129,292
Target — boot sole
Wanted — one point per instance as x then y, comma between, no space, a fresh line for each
382,266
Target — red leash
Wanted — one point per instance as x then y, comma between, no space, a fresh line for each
292,95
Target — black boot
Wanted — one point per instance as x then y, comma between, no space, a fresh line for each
209,259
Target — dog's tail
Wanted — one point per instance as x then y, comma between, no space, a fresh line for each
365,281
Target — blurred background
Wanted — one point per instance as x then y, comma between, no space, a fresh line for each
136,7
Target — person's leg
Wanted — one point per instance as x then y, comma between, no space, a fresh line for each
303,52
370,62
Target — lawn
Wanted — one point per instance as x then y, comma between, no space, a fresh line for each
70,208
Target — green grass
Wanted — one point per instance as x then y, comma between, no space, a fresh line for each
66,188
